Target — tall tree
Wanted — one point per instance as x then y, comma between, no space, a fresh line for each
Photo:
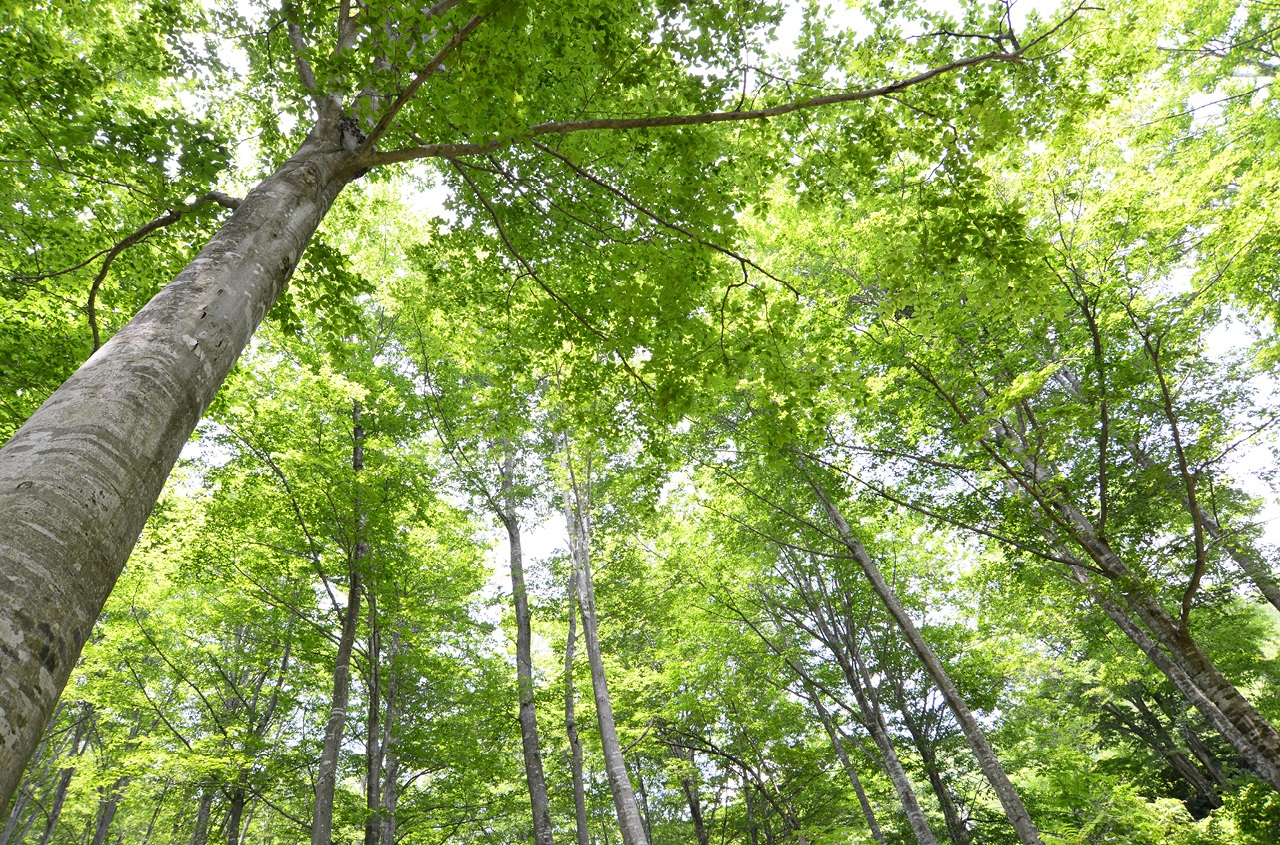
81,475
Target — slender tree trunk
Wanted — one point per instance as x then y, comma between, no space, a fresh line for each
753,830
373,722
391,782
200,833
1009,799
1210,763
1266,767
615,767
843,756
78,480
644,806
1253,737
539,803
235,812
107,807
327,771
689,785
845,650
570,725
16,813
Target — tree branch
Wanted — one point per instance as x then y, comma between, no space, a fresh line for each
432,66
657,121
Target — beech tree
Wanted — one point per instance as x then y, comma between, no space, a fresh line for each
571,89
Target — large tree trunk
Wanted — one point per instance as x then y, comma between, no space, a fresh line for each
80,477
532,749
570,724
1005,792
327,770
615,767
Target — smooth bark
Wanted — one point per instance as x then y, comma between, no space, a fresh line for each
615,766
79,478
327,770
1009,799
531,748
570,723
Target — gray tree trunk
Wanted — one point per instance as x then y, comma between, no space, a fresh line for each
570,724
1009,799
843,756
373,738
200,833
327,770
80,477
391,778
615,766
539,803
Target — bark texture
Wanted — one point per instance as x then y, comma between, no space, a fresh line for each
79,479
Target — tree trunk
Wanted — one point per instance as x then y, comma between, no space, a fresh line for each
615,767
846,764
327,771
107,807
235,812
1263,765
200,833
845,651
1005,792
532,749
79,478
15,816
570,725
690,787
753,830
644,806
391,782
373,748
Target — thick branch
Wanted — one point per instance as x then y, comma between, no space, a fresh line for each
657,121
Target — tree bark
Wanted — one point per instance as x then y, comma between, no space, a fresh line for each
200,833
391,782
79,478
1265,766
879,731
107,807
373,747
570,725
539,803
327,770
843,756
1009,799
235,812
615,767
690,787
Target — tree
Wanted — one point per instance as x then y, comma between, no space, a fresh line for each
83,472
